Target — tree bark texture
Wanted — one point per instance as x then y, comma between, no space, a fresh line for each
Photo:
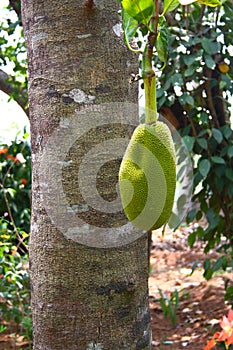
82,297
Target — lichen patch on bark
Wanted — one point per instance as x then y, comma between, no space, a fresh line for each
79,96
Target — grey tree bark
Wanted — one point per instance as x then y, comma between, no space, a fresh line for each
82,297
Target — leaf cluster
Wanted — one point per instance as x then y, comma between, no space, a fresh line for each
13,54
196,86
15,182
15,187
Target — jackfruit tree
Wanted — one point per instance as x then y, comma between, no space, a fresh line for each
93,295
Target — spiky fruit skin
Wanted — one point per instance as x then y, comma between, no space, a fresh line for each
147,176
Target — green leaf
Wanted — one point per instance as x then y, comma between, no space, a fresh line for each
11,192
200,232
211,3
189,59
209,46
170,5
192,239
230,151
229,293
130,26
182,200
229,174
202,142
140,10
209,61
189,71
191,215
176,79
204,117
227,131
162,44
217,135
204,167
189,142
217,160
194,266
221,263
207,264
208,274
185,98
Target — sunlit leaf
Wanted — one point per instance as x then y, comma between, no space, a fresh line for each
170,5
140,10
211,3
130,26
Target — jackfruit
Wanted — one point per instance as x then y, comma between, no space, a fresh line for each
147,176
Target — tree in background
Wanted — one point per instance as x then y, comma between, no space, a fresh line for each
13,52
195,93
15,184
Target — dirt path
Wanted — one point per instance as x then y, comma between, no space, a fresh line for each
201,303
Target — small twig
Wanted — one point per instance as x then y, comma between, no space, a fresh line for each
201,17
20,239
89,4
217,15
156,17
210,99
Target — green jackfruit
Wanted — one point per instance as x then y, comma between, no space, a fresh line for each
147,176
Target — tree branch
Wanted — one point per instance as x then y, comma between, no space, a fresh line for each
15,4
7,86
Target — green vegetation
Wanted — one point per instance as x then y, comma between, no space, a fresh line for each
169,305
15,187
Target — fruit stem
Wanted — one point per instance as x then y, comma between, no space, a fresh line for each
149,79
150,99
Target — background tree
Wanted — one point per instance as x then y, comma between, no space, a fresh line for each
195,93
12,51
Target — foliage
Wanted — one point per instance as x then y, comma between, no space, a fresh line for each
196,85
15,184
13,54
14,232
14,291
169,305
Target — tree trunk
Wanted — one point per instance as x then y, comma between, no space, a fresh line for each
88,266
